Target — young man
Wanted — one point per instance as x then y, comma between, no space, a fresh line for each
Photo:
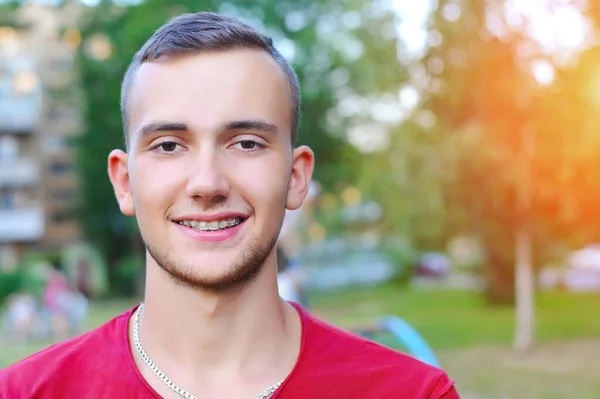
210,111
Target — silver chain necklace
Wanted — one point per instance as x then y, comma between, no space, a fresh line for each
168,382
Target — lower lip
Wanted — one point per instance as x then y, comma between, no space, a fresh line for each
210,236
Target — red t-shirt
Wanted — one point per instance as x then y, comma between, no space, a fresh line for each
332,364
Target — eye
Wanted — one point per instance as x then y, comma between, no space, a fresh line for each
166,147
248,145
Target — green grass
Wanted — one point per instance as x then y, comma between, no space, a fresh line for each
455,319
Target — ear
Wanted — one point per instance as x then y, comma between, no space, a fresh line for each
118,173
302,170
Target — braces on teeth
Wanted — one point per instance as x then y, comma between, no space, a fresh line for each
211,226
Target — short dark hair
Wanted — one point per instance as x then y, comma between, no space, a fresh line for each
207,31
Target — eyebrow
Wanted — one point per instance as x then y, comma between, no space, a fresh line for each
251,124
161,127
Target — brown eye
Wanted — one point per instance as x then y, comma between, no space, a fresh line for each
248,144
168,146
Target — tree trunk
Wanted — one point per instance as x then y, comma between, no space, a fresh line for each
524,276
524,283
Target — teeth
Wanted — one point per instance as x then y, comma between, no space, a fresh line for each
211,226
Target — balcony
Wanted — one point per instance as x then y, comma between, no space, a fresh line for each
19,111
21,225
22,172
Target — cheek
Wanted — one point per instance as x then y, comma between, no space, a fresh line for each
152,186
264,183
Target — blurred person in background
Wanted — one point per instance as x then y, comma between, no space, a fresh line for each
290,279
65,307
20,317
211,111
291,276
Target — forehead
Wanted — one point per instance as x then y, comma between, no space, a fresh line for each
208,89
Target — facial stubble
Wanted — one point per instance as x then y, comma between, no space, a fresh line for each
242,270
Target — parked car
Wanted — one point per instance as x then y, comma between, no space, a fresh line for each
433,264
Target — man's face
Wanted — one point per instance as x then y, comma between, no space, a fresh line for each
210,168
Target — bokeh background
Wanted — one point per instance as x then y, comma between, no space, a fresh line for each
458,154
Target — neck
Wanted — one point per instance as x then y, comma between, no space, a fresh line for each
244,333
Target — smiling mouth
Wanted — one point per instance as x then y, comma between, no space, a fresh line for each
214,225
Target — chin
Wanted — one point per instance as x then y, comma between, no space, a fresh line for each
220,269
213,281
211,271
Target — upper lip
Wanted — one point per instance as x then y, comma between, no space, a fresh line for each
212,217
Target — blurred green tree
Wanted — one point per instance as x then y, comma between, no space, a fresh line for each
8,14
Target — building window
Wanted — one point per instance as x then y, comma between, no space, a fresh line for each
11,198
9,149
7,200
55,145
67,195
60,167
61,216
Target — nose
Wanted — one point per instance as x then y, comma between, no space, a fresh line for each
206,181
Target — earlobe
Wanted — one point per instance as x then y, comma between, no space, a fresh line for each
118,173
302,171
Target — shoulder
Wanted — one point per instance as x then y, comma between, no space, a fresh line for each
332,342
360,364
80,356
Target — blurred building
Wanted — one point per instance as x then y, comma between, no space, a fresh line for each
39,119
